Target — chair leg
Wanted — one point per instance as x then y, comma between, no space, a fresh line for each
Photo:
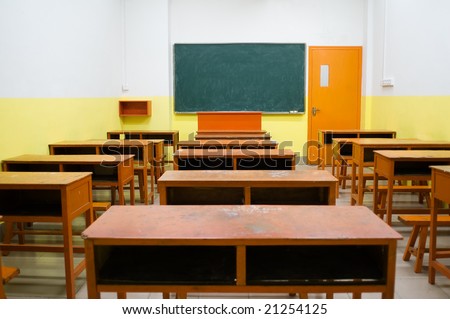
421,249
344,174
411,243
142,191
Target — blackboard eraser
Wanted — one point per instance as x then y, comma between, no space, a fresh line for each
293,112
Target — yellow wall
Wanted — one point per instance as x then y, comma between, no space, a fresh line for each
423,117
29,125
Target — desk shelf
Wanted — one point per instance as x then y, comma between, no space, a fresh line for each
30,202
216,265
227,160
257,195
166,265
316,265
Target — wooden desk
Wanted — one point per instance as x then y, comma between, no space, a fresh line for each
411,165
326,140
107,170
170,138
312,249
158,154
228,144
440,185
27,197
363,156
141,149
233,135
247,187
220,159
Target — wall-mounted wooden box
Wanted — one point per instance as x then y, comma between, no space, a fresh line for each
135,108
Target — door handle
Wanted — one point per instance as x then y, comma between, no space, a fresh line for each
315,110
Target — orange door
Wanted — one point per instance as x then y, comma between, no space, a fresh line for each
334,92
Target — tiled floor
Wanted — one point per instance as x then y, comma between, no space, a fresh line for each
42,274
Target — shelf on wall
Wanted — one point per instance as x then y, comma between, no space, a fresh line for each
135,108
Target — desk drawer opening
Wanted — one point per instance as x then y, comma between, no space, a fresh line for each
166,265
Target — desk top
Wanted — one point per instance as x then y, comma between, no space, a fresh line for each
203,224
68,159
252,177
246,153
234,134
102,142
396,142
355,131
229,142
142,131
442,168
415,154
40,178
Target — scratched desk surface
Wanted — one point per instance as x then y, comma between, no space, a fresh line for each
166,225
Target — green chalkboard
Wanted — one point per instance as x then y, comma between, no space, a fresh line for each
267,77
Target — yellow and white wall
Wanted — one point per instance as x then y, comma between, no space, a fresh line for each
408,42
64,64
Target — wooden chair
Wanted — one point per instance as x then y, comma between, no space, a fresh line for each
423,191
420,224
98,207
6,274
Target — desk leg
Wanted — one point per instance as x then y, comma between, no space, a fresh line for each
153,179
68,258
132,191
360,184
390,276
91,278
375,194
121,194
389,196
353,191
435,203
144,186
8,235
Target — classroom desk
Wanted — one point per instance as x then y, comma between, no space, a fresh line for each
221,159
234,187
410,165
141,149
54,197
225,248
440,185
326,137
233,135
113,171
228,144
158,153
363,156
170,138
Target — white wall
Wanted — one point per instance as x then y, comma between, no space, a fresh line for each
319,22
60,48
147,49
415,50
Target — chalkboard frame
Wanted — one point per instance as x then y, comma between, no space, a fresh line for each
273,75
